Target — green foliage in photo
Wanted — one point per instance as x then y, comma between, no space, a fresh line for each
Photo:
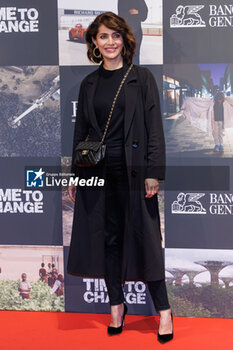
207,301
40,297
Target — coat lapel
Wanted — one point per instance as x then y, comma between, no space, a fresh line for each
90,88
131,90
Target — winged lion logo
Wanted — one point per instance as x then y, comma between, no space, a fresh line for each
187,16
188,203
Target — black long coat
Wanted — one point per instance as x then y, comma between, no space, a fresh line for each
145,157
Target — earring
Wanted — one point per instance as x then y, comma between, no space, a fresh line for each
94,53
123,52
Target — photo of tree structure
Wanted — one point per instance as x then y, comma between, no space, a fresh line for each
200,282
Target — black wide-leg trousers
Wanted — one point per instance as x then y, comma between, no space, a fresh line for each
116,192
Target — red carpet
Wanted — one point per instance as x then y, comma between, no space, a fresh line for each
48,330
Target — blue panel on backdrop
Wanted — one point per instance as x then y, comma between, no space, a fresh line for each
28,32
89,294
199,219
194,31
29,215
195,177
199,216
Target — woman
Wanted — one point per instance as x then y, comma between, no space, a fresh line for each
218,122
116,232
210,114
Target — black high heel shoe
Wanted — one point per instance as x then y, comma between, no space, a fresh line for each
164,338
118,330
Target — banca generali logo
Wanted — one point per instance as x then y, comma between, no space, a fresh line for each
187,16
188,203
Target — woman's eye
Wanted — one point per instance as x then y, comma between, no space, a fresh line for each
114,36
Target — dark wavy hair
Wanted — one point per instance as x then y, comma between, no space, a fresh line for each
116,23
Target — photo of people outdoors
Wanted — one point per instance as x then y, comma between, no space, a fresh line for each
143,16
52,278
26,283
198,109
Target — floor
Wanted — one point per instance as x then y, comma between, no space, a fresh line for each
49,330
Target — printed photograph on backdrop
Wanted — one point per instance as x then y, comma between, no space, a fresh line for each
198,110
200,282
28,33
143,16
68,207
31,278
197,31
30,111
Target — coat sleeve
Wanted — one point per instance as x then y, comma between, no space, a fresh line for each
143,10
154,129
81,125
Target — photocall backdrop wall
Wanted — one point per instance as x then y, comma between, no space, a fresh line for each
188,48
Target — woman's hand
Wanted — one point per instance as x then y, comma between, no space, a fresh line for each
72,192
133,11
151,187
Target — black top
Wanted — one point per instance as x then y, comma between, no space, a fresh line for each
108,84
218,111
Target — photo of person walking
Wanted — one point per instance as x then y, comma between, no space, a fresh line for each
198,109
134,12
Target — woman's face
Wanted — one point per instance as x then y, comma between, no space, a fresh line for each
109,42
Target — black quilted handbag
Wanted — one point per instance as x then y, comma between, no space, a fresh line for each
89,153
92,153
